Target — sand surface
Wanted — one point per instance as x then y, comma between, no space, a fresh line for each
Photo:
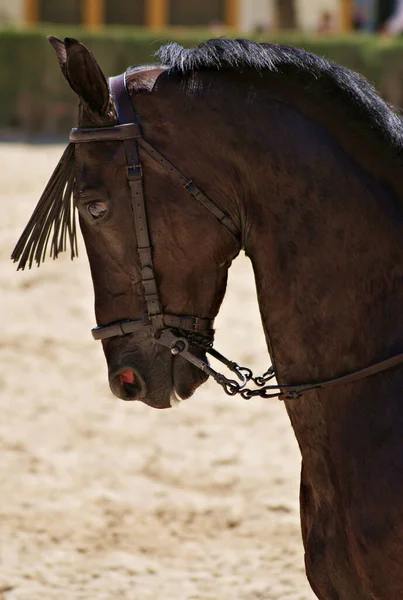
105,500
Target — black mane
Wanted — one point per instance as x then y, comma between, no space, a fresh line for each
321,76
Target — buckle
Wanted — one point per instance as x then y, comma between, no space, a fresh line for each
134,171
192,188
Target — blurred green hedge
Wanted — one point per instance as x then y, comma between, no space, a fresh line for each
34,98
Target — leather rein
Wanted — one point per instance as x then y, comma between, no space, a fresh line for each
176,332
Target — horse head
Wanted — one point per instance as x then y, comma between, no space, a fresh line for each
189,250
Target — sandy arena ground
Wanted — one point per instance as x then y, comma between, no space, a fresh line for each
105,500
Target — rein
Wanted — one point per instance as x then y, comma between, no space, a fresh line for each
176,332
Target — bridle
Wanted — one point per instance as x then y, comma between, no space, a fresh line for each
176,332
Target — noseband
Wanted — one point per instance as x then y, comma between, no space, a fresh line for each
176,332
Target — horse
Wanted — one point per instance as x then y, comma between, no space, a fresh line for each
229,146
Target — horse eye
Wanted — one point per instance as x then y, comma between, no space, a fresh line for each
97,209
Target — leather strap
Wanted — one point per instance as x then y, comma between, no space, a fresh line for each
290,392
190,187
131,326
116,329
188,323
127,115
103,134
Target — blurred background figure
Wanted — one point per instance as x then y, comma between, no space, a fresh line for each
326,23
364,15
384,10
393,24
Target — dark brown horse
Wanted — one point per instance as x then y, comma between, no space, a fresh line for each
305,161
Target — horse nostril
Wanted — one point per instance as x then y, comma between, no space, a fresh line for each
127,376
127,385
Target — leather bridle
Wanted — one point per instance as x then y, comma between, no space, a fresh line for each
176,332
128,132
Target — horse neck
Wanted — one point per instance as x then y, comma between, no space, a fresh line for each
324,238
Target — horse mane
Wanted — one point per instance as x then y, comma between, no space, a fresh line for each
357,97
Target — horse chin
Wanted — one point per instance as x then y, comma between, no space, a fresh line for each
185,380
160,402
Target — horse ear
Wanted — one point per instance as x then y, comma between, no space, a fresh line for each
83,73
61,53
